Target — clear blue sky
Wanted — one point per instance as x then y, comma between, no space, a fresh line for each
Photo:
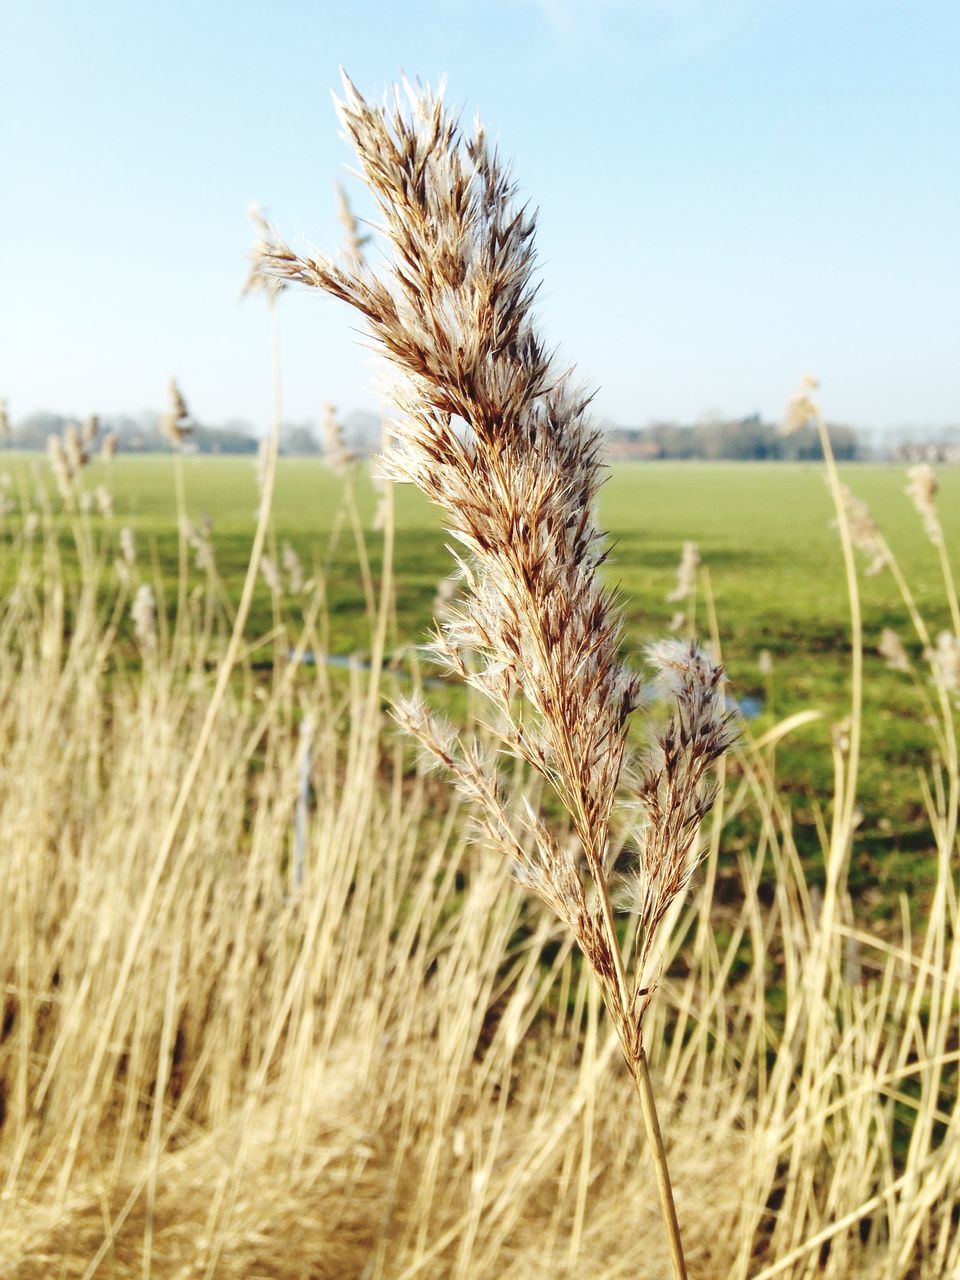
732,193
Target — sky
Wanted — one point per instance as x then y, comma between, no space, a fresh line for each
732,194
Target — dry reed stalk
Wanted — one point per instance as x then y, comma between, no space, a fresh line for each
496,435
685,592
339,456
355,240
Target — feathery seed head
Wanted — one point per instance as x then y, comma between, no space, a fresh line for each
293,568
356,241
104,500
891,649
271,575
265,247
144,614
945,661
175,423
802,407
686,574
495,433
673,789
199,538
922,491
864,534
487,426
338,454
128,546
73,447
60,465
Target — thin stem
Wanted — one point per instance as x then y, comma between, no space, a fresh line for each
168,838
183,567
648,1106
843,814
949,583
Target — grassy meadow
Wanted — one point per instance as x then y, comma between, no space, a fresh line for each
270,1009
771,564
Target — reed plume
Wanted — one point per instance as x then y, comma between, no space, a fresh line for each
271,575
922,492
74,448
686,574
199,538
176,423
60,465
143,612
685,591
864,532
68,454
338,454
496,434
293,568
945,662
128,546
893,651
104,501
356,240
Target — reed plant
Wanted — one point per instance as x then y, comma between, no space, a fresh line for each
494,431
268,1007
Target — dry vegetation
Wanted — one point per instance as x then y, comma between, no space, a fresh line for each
271,1009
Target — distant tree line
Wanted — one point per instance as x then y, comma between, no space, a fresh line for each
140,433
738,438
733,439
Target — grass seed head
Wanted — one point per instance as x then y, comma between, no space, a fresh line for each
144,614
922,492
340,457
891,648
945,662
864,533
175,424
293,569
128,546
686,574
104,500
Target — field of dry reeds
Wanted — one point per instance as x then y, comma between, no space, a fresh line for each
272,1005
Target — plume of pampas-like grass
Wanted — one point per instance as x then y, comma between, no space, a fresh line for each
496,434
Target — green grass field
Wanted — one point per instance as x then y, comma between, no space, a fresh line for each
764,533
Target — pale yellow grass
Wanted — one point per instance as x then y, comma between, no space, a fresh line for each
400,1069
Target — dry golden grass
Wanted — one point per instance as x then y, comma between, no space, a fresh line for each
398,1068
